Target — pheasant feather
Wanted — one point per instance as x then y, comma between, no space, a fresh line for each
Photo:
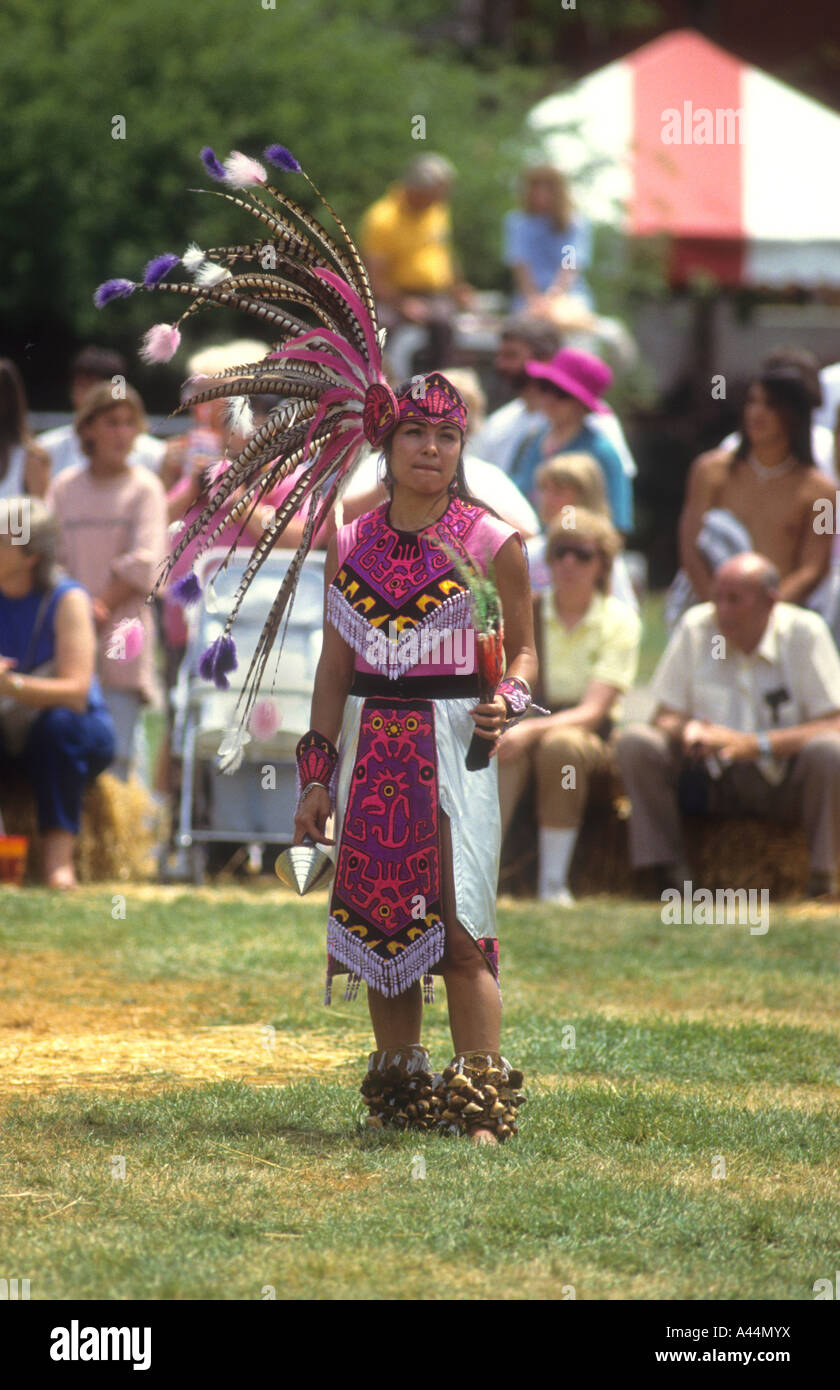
310,289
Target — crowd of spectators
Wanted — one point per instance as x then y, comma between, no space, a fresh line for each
746,698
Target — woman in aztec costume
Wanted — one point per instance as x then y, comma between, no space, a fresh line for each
405,682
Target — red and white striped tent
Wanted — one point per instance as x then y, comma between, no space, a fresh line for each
682,138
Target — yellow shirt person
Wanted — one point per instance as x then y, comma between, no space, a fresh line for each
411,244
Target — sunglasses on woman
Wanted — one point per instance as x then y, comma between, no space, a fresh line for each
582,553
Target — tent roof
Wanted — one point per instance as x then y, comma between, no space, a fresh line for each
684,138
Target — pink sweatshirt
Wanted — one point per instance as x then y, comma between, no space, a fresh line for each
107,528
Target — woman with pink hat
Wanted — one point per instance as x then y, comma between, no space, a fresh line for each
565,390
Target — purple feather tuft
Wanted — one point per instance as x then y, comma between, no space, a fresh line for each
217,660
113,289
212,165
186,590
282,158
157,268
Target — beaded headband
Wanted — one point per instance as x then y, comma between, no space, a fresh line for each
430,398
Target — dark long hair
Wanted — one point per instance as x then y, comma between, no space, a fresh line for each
14,423
789,395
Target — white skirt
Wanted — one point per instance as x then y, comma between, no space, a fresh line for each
469,799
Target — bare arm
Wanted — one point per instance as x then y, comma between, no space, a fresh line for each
813,555
36,470
698,737
701,488
671,722
598,700
518,609
784,743
75,656
520,649
524,280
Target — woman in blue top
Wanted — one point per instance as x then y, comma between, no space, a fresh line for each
547,247
54,724
565,391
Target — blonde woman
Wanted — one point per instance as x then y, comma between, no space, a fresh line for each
588,648
547,246
564,484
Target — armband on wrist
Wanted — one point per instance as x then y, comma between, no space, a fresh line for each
516,693
317,760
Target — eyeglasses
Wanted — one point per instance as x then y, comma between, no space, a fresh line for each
583,554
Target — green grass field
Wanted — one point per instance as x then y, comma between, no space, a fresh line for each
189,1041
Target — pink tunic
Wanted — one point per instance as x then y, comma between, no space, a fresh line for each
444,642
114,528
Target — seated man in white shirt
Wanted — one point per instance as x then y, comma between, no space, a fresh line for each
88,368
747,717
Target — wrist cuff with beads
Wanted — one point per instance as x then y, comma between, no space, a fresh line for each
317,760
516,694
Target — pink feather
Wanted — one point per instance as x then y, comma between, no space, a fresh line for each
342,347
161,343
217,469
350,297
242,171
126,640
265,720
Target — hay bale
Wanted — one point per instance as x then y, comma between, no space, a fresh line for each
741,852
745,852
121,827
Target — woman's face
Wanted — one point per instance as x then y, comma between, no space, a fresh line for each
562,410
763,423
553,497
424,456
110,436
539,198
576,565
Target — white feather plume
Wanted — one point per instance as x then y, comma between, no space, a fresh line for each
231,750
209,274
240,416
193,257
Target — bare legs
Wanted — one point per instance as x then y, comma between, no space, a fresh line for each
58,859
475,1010
396,1021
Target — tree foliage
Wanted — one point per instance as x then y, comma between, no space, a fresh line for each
339,88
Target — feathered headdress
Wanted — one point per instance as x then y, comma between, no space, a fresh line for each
329,375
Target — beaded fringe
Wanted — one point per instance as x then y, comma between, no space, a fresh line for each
369,641
390,977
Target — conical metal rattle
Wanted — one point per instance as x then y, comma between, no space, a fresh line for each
304,867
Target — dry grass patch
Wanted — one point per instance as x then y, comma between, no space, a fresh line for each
149,1061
